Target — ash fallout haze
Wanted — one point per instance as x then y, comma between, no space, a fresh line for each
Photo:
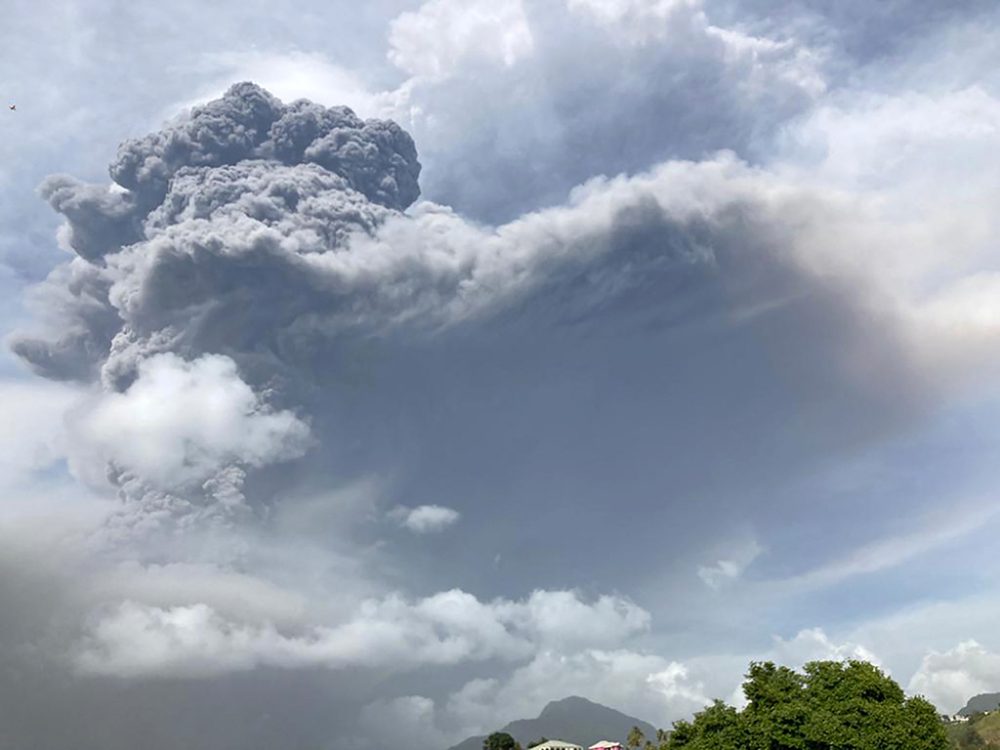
377,373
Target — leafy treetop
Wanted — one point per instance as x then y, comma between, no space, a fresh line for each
500,741
830,705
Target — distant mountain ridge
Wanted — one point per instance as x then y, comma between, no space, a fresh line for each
572,719
980,704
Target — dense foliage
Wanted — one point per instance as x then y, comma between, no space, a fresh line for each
500,741
829,706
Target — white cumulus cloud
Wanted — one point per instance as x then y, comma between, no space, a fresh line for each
434,40
181,421
451,627
813,644
424,519
948,679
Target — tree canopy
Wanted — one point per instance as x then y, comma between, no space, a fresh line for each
500,741
635,737
830,705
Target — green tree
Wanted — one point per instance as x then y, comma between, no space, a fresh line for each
830,705
635,737
500,741
775,713
718,727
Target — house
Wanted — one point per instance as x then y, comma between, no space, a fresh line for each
557,745
606,745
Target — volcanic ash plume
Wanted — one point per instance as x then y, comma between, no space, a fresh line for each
209,238
210,265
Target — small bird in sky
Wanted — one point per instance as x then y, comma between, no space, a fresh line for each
12,107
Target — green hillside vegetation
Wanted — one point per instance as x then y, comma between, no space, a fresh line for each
981,731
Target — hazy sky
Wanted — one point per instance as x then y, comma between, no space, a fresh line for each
686,355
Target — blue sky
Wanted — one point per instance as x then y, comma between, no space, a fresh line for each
685,356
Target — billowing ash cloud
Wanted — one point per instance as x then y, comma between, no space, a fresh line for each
194,287
266,245
266,233
243,188
380,460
